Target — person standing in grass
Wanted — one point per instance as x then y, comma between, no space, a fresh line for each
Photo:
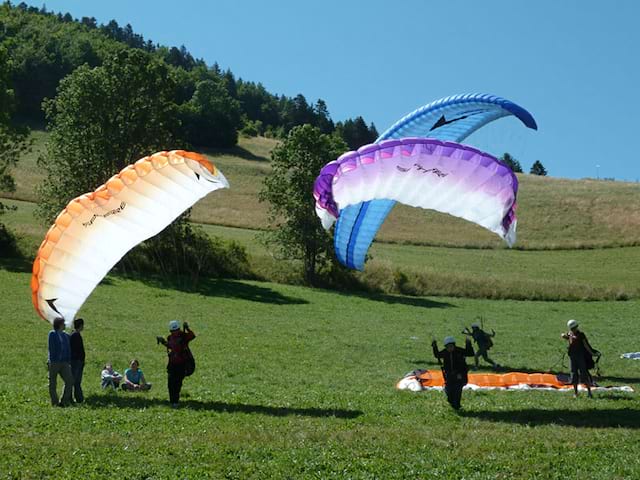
180,362
77,359
59,363
483,343
579,353
454,368
134,378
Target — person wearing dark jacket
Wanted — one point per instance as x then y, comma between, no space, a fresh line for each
579,352
59,363
177,344
77,359
483,343
454,368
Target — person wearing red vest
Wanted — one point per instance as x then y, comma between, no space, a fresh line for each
177,344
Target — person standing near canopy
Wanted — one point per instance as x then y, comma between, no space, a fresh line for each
59,363
579,350
180,357
77,359
454,368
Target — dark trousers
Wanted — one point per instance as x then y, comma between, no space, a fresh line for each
77,367
579,369
454,393
174,381
64,370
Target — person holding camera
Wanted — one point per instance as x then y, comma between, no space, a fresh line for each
180,362
581,355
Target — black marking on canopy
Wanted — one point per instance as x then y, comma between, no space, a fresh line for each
442,121
51,302
197,175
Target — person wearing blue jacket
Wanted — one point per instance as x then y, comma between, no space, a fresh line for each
59,363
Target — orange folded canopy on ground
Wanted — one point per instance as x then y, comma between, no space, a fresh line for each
434,378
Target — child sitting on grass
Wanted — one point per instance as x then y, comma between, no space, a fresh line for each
134,378
110,378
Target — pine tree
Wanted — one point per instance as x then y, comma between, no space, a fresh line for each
511,162
538,169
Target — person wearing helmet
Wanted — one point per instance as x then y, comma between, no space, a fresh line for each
180,358
483,344
454,367
579,351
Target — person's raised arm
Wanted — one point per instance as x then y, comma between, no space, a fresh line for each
436,353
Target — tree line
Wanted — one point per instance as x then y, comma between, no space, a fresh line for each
536,169
212,105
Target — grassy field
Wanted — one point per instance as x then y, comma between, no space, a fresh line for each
299,383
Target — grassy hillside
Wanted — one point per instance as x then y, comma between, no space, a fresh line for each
552,213
564,227
299,383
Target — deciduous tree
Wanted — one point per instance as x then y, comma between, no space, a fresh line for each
103,119
296,162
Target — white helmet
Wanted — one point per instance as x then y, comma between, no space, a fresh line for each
475,325
174,325
571,324
449,340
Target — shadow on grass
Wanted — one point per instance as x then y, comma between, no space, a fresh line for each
254,293
221,287
16,264
236,151
126,400
397,299
589,418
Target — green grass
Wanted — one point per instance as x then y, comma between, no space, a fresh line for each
299,383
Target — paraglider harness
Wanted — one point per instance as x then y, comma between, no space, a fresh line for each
488,339
590,362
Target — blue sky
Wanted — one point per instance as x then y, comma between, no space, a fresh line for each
573,64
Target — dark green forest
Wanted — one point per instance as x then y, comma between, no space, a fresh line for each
211,106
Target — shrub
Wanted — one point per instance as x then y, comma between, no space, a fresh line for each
183,250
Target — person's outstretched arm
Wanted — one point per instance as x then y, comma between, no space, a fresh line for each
436,353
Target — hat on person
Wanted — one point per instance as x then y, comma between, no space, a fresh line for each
571,324
475,325
174,325
449,340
